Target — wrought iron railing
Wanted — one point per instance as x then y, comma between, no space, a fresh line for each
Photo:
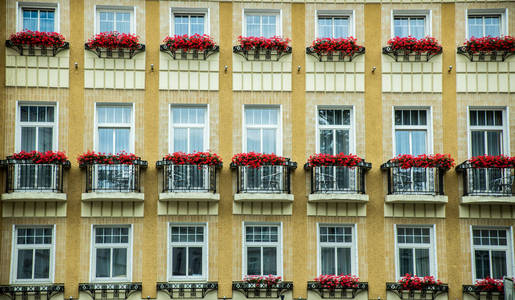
23,292
261,54
420,181
106,291
27,176
336,179
487,181
187,290
337,292
116,177
426,292
127,53
408,55
187,178
262,290
337,55
264,179
30,50
475,56
192,54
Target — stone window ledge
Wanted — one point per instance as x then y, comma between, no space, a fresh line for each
263,197
197,197
33,196
338,197
488,200
435,199
113,197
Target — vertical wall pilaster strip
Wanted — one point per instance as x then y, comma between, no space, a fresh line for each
450,145
374,153
225,239
298,107
76,123
3,100
150,150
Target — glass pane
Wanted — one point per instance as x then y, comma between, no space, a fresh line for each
123,22
253,140
120,262
344,260
197,25
195,261
326,142
402,142
499,268
106,21
122,140
28,139
45,135
103,262
46,22
253,261
494,139
341,27
400,27
269,23
30,20
325,27
24,264
269,260
253,25
196,139
492,25
42,264
482,261
418,142
180,140
105,140
478,143
476,30
422,262
328,261
179,261
269,141
417,27
342,141
181,25
406,261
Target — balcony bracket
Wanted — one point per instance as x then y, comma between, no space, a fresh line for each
24,291
116,53
433,291
484,56
26,50
336,56
409,56
262,290
190,54
187,290
337,293
261,54
119,290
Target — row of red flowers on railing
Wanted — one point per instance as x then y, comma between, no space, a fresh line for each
37,38
256,160
274,43
411,44
197,158
114,40
189,42
340,160
329,45
491,161
489,43
412,282
338,281
407,161
38,157
258,279
490,285
92,157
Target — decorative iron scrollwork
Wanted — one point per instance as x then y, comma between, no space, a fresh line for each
29,50
484,56
190,54
23,291
119,290
336,55
409,56
337,293
116,53
432,290
262,290
261,54
477,293
187,290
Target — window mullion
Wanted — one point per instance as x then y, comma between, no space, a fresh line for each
33,263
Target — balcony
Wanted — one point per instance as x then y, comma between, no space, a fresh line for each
188,182
487,185
427,292
29,181
337,292
23,292
115,181
338,183
262,290
414,185
477,292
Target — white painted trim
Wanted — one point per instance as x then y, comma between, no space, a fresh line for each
186,11
278,245
432,248
205,126
505,127
278,23
55,126
336,13
428,127
205,251
37,5
427,14
115,8
351,127
279,126
115,125
503,12
353,246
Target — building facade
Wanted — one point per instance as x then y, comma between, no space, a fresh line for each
130,231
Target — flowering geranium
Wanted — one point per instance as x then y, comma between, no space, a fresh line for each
114,40
258,279
187,42
412,282
329,45
37,38
197,158
92,157
338,281
340,160
258,43
411,44
490,285
407,161
488,44
492,161
48,157
256,160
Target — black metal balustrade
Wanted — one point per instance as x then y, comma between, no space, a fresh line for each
478,293
187,290
487,181
187,178
264,179
27,176
30,50
106,291
192,54
262,290
432,291
261,54
337,292
116,177
337,179
418,181
24,292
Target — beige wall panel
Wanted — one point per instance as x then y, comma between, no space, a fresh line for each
109,295
337,209
190,208
188,74
261,75
6,245
412,77
33,209
386,18
315,296
335,76
485,77
487,212
111,209
238,8
414,210
261,208
110,73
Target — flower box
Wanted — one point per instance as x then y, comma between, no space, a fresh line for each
488,48
261,48
412,49
406,161
114,45
488,175
197,158
92,157
192,47
335,49
37,157
414,287
37,43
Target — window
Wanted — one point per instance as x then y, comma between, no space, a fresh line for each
411,131
111,253
189,129
37,17
337,250
189,21
332,24
37,128
115,19
491,252
33,254
188,252
486,22
334,131
114,128
411,23
262,246
262,23
486,132
415,251
262,127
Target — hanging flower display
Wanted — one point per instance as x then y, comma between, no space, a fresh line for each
261,43
411,44
490,44
258,279
189,42
256,160
492,161
37,38
407,161
412,282
490,285
329,160
92,157
48,157
197,158
331,45
338,281
114,40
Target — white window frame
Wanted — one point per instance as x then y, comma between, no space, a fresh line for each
428,127
92,264
114,125
353,245
110,8
433,265
336,13
205,253
427,14
20,6
351,127
19,124
502,12
14,255
171,126
279,126
190,11
279,246
505,127
508,248
262,12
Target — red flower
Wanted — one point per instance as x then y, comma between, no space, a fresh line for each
186,42
269,280
491,161
48,157
338,281
37,38
407,161
256,160
326,160
114,40
330,45
411,44
489,44
490,285
259,43
412,282
92,157
197,158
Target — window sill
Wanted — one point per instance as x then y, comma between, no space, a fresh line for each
413,198
338,197
33,196
185,197
263,197
488,200
113,196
